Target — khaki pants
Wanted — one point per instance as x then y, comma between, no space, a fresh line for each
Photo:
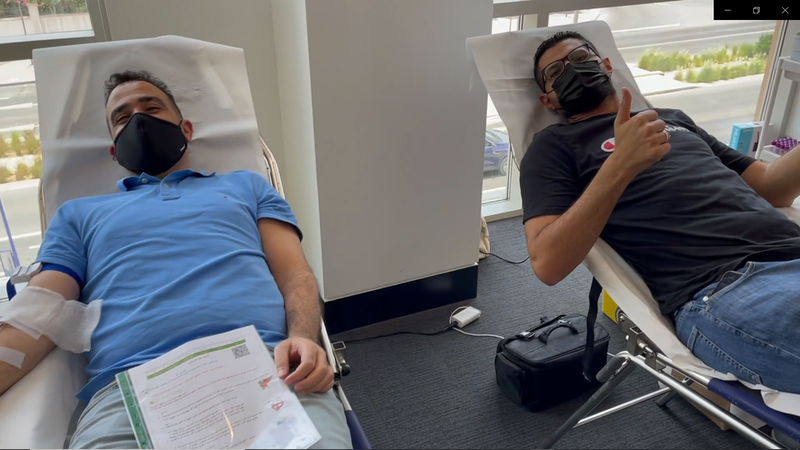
105,424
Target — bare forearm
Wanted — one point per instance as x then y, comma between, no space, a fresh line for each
564,244
33,350
783,182
302,305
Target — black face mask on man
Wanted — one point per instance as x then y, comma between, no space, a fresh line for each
149,145
582,86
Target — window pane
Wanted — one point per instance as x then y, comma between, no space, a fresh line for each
20,163
24,17
683,59
496,154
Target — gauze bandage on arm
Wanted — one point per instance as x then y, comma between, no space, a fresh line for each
37,311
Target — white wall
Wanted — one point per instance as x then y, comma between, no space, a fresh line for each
398,138
246,24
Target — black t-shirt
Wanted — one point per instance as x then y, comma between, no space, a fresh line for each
682,223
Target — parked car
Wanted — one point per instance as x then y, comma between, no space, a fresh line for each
495,155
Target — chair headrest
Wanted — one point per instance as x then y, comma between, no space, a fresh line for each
210,85
504,62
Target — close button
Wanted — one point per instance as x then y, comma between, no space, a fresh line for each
785,10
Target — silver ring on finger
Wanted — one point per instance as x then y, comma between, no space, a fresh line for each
666,136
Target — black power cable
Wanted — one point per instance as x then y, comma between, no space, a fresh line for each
416,333
504,259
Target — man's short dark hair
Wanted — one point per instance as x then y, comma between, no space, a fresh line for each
550,43
139,75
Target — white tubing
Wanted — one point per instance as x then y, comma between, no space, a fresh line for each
38,311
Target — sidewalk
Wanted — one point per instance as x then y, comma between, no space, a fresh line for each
653,83
16,72
17,185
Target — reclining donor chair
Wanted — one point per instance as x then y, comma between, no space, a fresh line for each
211,86
505,64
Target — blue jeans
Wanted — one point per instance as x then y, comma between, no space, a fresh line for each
748,324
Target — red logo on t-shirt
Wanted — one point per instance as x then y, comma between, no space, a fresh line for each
608,145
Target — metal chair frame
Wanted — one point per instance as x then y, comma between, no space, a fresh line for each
641,353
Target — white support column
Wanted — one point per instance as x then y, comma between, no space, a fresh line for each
383,137
299,170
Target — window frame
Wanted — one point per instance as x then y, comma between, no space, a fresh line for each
782,45
536,14
542,10
16,48
21,48
512,205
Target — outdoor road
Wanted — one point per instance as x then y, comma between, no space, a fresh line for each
18,106
685,25
633,44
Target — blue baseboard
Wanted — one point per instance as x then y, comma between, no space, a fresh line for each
401,300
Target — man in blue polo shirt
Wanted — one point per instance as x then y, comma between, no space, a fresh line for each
177,255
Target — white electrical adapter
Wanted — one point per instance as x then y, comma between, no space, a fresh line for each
465,317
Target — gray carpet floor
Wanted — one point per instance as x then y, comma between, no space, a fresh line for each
413,391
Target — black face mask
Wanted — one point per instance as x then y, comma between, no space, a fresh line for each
582,87
149,145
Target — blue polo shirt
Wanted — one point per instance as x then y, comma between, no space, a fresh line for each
173,260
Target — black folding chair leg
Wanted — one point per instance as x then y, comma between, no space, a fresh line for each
593,402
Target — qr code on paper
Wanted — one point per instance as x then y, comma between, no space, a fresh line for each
240,351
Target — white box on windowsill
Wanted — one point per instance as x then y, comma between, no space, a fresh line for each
771,153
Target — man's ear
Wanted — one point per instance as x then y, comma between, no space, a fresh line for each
113,152
546,102
607,63
188,130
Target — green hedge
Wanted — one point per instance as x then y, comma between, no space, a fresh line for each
710,73
27,143
36,168
5,175
21,172
657,60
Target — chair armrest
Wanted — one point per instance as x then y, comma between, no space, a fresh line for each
326,345
36,411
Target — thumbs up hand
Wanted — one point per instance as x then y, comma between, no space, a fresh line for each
639,141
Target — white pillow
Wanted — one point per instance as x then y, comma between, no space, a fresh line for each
210,85
505,64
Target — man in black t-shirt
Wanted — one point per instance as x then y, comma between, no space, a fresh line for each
695,218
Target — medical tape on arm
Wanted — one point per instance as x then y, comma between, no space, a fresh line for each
37,311
11,356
